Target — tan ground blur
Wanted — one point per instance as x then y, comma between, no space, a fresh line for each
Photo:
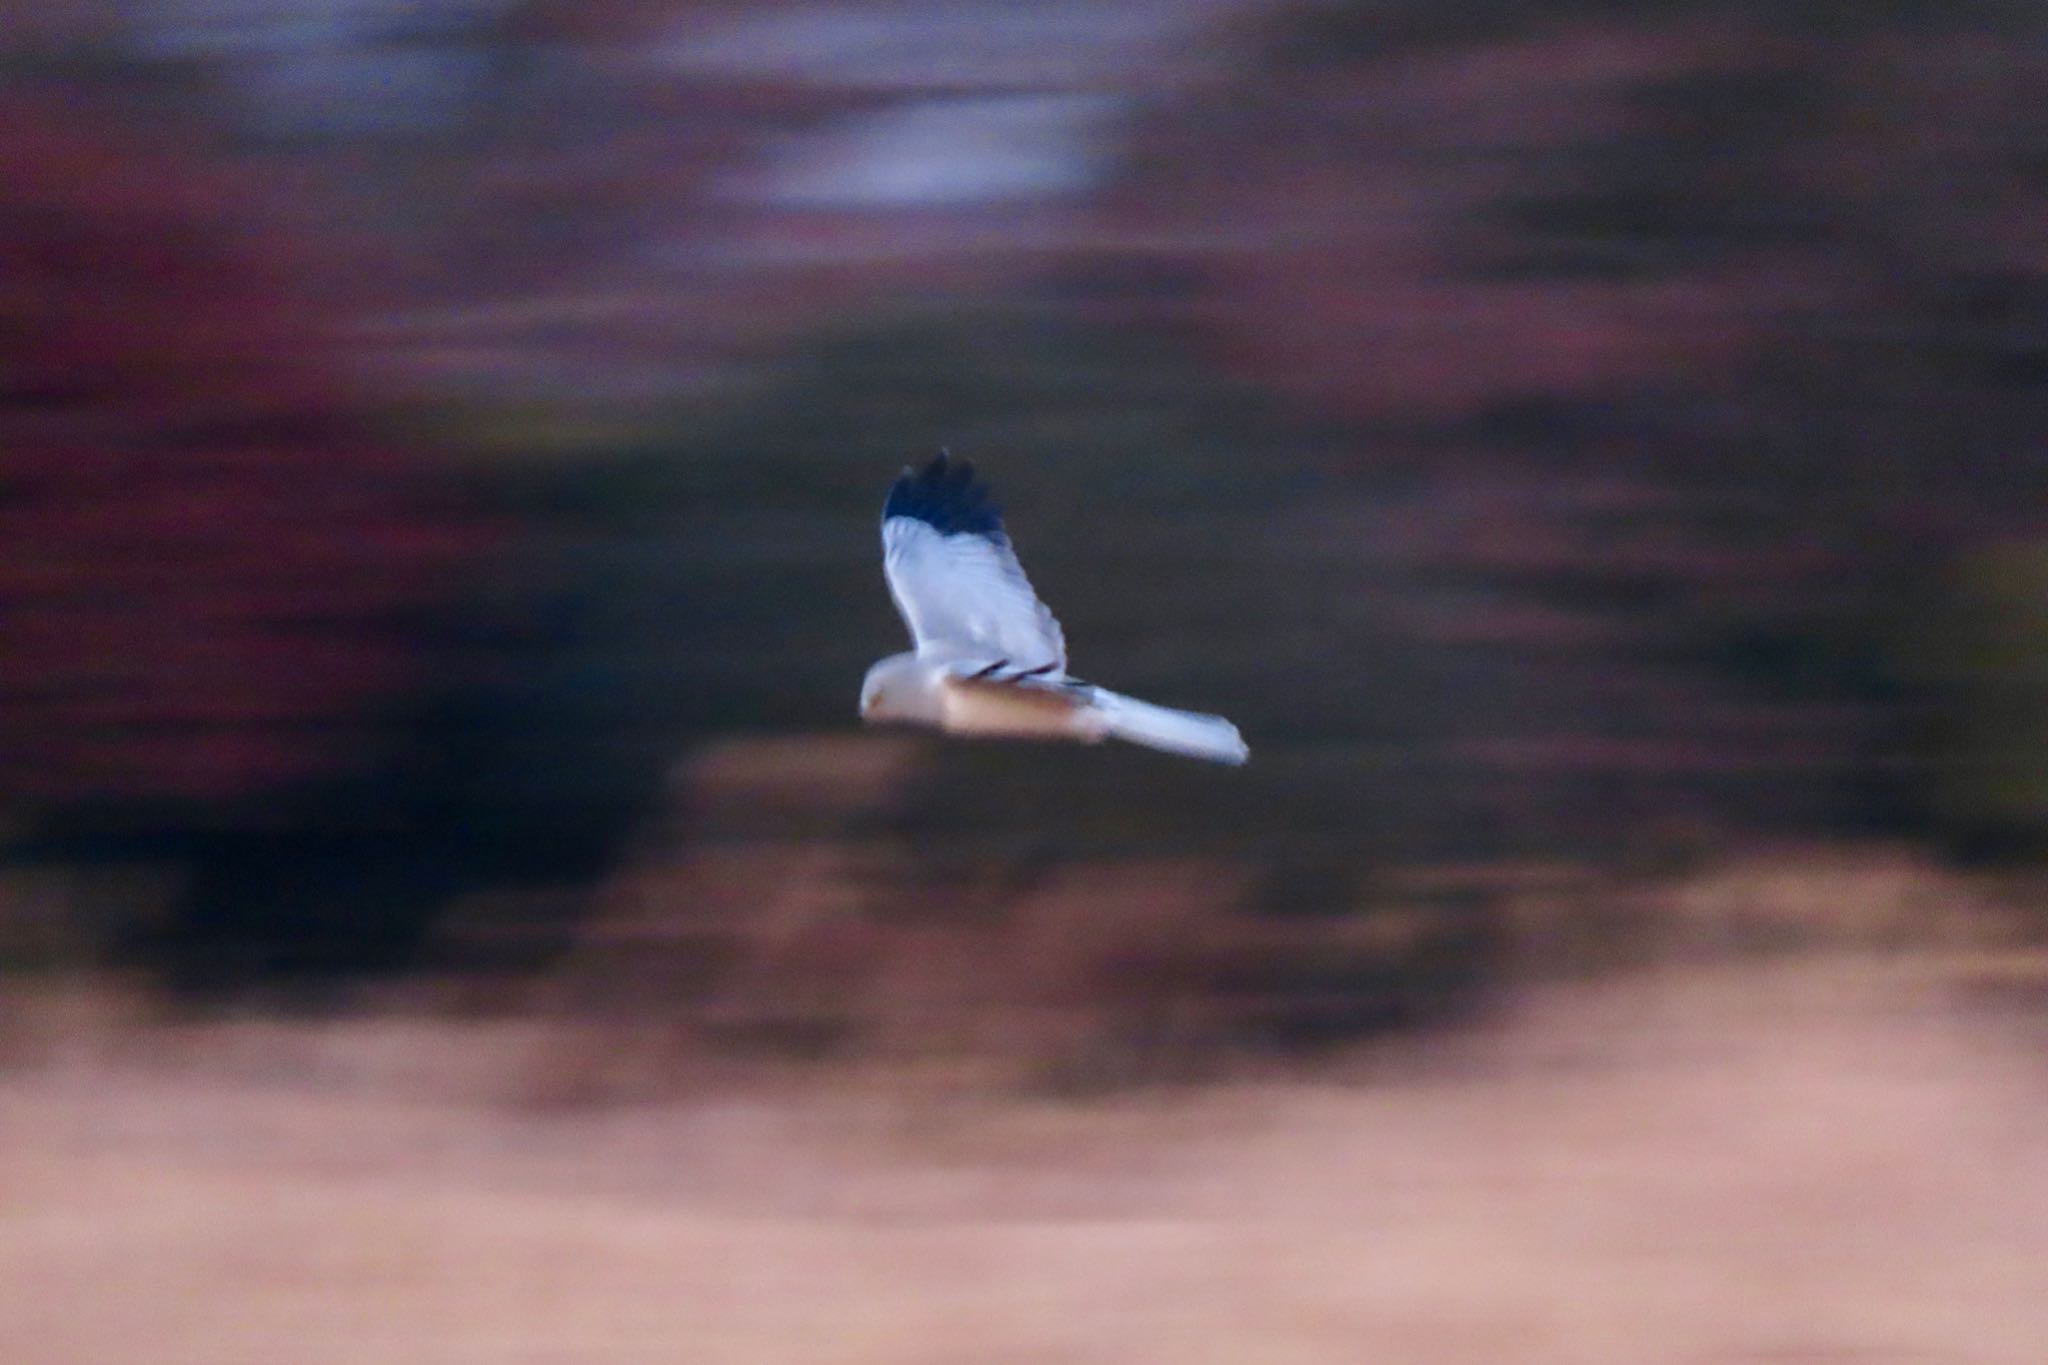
1838,1158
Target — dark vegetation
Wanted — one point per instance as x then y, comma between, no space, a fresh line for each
1638,445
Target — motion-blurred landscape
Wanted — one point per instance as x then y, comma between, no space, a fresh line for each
1596,452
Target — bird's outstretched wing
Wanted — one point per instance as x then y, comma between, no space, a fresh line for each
957,581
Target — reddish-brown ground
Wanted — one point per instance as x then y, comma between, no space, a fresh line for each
1840,1159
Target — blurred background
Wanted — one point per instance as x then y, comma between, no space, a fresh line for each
1596,451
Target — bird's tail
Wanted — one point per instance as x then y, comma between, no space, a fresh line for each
1162,727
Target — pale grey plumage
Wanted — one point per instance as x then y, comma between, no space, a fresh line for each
989,658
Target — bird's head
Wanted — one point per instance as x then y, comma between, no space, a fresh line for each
895,690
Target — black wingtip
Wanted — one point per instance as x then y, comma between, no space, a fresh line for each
946,496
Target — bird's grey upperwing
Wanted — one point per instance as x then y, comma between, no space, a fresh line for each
956,579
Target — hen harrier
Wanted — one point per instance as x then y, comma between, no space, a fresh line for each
989,658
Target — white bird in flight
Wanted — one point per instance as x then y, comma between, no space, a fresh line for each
989,657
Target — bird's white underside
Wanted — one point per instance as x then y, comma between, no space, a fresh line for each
1015,711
